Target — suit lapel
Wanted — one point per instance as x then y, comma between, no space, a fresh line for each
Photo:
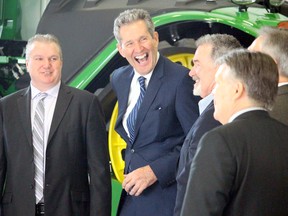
210,105
63,101
151,92
124,82
24,108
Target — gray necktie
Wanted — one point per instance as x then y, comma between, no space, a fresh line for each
38,146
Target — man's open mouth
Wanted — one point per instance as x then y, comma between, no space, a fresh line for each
141,58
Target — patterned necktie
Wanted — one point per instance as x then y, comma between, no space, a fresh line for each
38,146
131,120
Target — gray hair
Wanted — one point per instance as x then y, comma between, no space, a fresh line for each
46,38
259,73
275,43
130,16
221,44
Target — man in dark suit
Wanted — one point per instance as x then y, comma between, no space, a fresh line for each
273,41
165,116
240,168
67,172
209,48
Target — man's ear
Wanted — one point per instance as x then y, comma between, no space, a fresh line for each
239,89
156,36
120,50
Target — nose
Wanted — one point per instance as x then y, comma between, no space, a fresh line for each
192,72
47,62
138,47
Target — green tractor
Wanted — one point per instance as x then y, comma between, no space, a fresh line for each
84,28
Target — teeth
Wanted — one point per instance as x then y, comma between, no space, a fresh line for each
140,57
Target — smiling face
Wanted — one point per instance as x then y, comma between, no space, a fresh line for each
44,65
138,46
203,71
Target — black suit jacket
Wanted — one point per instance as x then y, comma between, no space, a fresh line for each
77,145
280,108
204,123
166,114
240,169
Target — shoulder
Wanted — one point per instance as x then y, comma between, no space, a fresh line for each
77,93
13,96
248,129
122,71
173,66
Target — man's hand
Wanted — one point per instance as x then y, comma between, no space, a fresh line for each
137,181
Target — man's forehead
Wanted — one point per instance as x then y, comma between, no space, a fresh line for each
223,68
203,50
257,44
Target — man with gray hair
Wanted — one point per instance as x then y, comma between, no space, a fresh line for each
273,41
240,168
209,48
156,111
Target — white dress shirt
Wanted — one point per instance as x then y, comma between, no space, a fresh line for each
49,104
134,94
203,103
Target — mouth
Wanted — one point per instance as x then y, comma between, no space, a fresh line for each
141,58
46,73
196,79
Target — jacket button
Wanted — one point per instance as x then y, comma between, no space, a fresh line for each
132,150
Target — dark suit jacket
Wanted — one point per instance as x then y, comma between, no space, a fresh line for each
280,108
204,123
166,114
77,144
240,169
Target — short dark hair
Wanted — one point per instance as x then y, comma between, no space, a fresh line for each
259,73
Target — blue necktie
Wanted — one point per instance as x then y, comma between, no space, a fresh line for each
131,120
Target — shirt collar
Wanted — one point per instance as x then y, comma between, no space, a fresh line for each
50,92
203,103
235,115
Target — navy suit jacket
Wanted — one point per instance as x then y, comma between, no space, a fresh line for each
204,123
166,114
240,169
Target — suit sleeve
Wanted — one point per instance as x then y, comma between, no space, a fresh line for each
98,162
211,176
186,106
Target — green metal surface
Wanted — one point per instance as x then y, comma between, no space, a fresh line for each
247,22
10,23
88,74
116,193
